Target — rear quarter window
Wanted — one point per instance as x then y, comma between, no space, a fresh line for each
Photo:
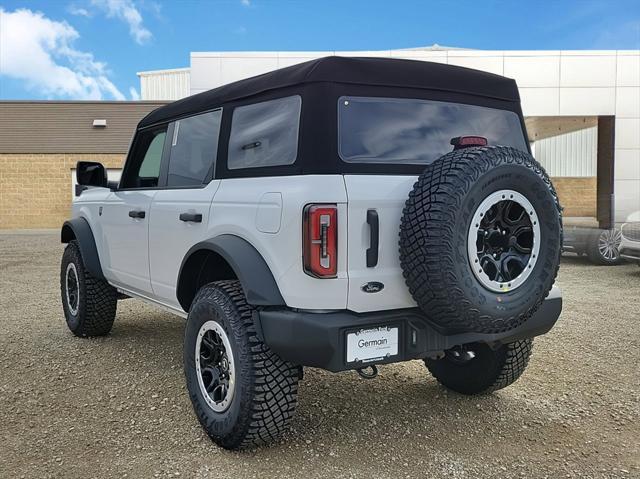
411,131
265,134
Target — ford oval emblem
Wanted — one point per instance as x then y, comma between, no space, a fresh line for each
372,287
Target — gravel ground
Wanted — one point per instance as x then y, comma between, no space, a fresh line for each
117,406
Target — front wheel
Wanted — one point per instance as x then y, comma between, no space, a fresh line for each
89,303
243,394
477,369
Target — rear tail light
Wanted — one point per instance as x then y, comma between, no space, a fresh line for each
320,240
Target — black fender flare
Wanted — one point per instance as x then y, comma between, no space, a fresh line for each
259,285
79,229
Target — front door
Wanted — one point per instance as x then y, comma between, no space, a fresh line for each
126,213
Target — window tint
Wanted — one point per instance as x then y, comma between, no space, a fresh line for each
394,130
194,147
265,134
143,169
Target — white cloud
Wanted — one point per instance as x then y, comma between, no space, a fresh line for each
126,11
78,11
40,51
135,96
246,3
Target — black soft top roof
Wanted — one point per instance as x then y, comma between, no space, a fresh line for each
352,70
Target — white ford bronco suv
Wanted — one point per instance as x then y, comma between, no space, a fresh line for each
340,214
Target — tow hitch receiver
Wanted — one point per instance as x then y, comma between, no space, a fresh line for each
368,372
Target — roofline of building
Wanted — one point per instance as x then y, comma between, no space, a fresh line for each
169,70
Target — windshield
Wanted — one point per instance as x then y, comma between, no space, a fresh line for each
396,130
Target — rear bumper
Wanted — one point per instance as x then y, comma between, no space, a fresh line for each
319,339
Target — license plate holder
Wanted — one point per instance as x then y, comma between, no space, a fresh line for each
367,345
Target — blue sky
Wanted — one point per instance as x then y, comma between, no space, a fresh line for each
92,49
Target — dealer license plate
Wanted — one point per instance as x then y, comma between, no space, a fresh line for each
372,344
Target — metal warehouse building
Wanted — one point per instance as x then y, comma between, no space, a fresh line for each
582,110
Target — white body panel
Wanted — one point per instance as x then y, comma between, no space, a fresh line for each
126,240
170,238
143,256
386,194
239,208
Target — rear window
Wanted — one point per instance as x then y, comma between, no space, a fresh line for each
265,134
408,131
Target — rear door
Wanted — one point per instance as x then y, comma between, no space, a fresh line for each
391,131
180,210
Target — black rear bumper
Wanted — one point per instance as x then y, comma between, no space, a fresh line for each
319,339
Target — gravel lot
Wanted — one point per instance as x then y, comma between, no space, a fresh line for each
117,406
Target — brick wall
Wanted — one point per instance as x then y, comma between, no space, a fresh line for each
578,196
35,189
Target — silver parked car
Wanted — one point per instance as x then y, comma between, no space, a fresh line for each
630,244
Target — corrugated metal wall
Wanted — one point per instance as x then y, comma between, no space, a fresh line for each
165,84
572,154
67,126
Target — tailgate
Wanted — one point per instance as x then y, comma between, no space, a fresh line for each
384,195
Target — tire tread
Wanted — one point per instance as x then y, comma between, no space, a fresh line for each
427,240
274,382
99,299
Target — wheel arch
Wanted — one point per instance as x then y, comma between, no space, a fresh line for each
79,229
227,257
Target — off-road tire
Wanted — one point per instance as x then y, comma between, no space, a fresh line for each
266,387
96,308
434,237
594,254
487,372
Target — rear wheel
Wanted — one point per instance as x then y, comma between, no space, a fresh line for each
604,247
89,303
477,369
243,394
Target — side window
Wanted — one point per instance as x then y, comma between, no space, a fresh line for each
194,147
265,134
143,168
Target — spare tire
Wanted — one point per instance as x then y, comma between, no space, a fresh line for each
480,239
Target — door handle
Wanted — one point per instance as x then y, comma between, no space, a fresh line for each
191,217
136,214
374,228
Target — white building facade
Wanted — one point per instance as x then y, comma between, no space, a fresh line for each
571,84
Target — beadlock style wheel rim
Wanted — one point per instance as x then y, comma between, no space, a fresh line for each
215,366
609,244
503,241
72,288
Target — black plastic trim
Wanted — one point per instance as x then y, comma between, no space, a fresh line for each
191,217
83,234
374,226
318,339
258,283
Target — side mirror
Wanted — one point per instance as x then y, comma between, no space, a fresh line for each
90,173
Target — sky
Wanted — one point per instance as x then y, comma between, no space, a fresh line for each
92,49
